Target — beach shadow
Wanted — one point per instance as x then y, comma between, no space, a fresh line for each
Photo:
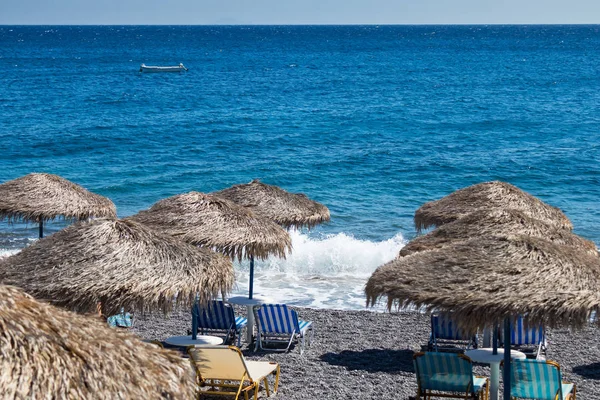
589,371
372,360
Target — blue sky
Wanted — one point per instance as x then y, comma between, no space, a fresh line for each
203,12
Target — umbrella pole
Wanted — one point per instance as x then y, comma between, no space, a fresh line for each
507,366
251,289
41,228
495,339
195,320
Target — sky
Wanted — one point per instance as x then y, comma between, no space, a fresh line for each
283,12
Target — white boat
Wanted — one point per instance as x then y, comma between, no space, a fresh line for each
154,68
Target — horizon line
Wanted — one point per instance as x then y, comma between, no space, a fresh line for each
326,24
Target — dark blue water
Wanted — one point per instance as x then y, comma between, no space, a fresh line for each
373,121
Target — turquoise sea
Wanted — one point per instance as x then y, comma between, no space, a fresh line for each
372,121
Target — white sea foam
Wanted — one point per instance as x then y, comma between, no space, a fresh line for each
8,252
328,272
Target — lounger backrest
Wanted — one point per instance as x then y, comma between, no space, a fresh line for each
218,362
444,371
522,334
533,379
443,327
277,318
215,315
121,320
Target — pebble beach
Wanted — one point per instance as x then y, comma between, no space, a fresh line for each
368,355
371,121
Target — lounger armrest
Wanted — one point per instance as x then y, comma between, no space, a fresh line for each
258,370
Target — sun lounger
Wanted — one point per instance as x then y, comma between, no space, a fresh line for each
445,334
218,366
448,375
121,320
276,323
528,339
218,317
539,380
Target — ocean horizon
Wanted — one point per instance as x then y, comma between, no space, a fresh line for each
307,25
370,120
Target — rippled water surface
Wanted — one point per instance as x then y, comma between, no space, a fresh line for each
372,121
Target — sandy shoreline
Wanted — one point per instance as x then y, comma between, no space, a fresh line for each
368,355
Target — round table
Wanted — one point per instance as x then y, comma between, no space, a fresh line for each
250,304
188,341
487,356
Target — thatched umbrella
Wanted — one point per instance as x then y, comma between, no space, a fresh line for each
40,197
48,352
285,208
486,222
487,279
120,264
488,195
211,221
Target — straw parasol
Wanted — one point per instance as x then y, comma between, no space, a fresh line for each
488,195
285,208
120,264
46,351
487,279
488,222
208,220
41,197
211,221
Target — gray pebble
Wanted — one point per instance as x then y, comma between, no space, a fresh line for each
368,355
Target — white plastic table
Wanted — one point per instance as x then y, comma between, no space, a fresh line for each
250,304
188,341
487,356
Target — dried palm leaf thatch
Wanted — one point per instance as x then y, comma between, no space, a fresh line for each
500,222
487,195
487,279
285,208
208,220
120,264
46,352
41,197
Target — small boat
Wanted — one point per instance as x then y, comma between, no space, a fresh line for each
153,68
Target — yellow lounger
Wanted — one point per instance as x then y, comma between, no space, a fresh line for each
217,365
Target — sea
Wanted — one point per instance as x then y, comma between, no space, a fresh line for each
372,121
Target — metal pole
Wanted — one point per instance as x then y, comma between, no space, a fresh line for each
41,228
195,320
495,339
251,290
507,366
